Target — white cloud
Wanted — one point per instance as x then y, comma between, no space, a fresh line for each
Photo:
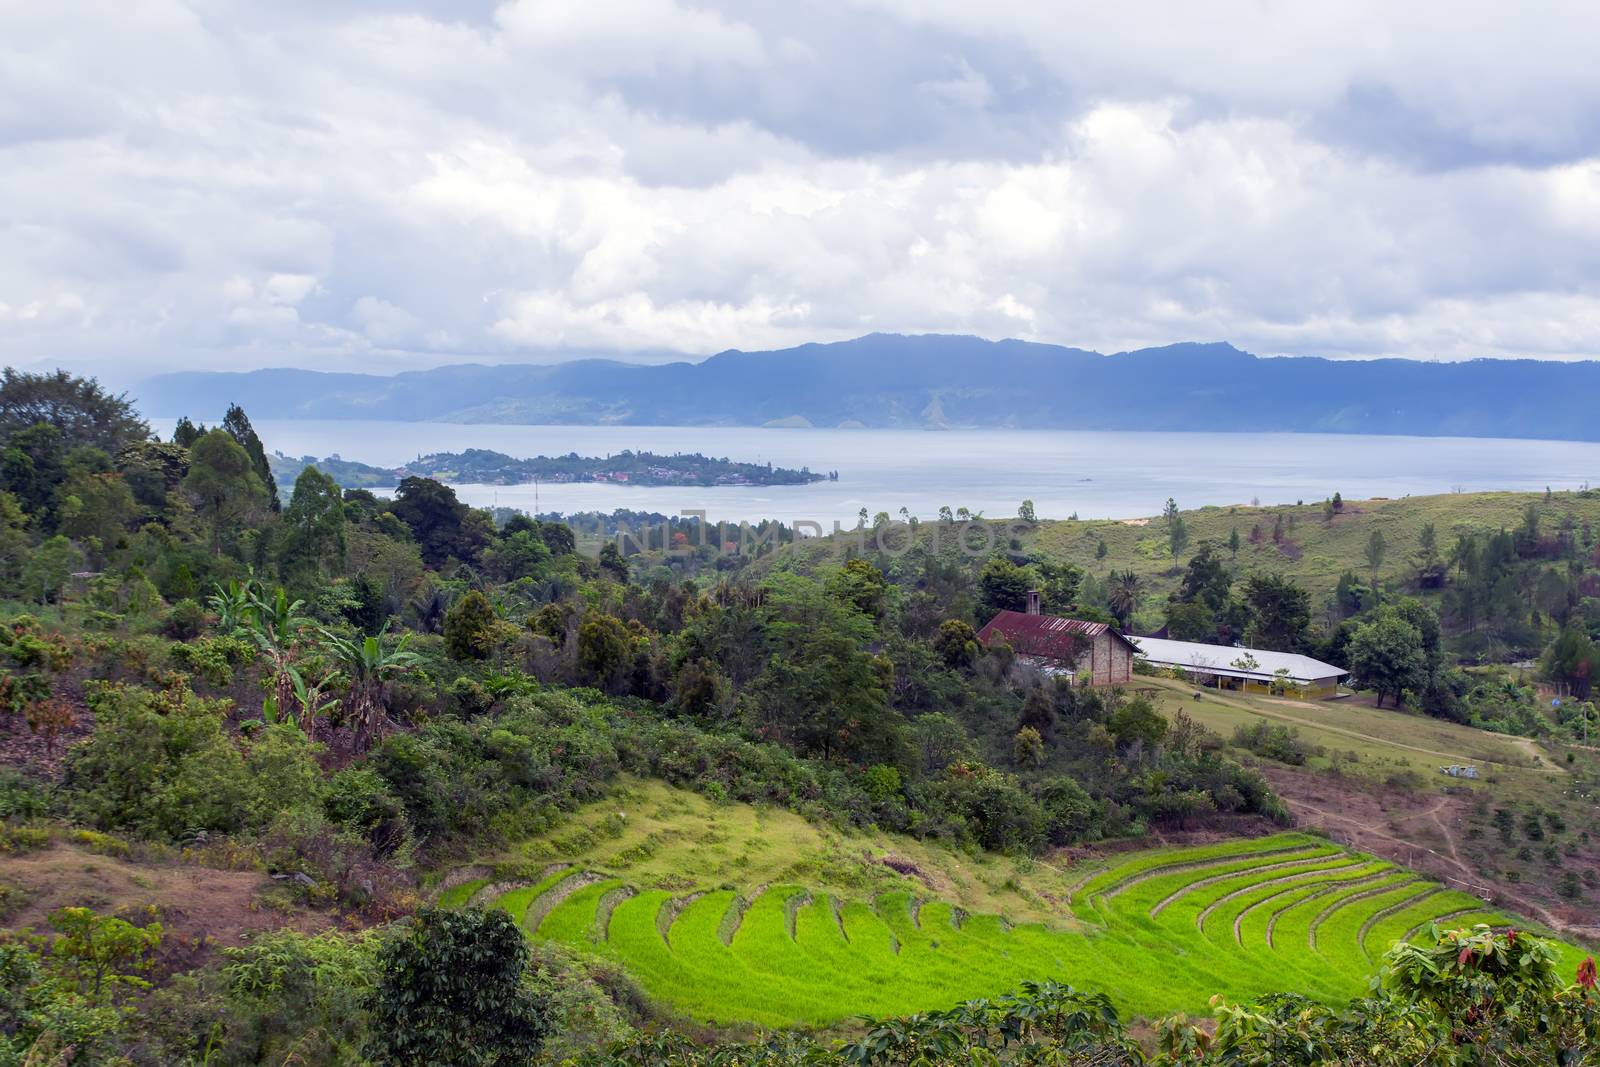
377,184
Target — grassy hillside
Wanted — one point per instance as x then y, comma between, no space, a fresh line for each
728,914
1316,551
1520,832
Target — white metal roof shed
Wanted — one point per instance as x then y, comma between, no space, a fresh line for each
1234,662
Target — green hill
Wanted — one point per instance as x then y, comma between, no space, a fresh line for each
1315,549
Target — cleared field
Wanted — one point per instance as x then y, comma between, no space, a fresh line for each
1159,931
1364,741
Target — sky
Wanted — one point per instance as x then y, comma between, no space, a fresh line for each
381,185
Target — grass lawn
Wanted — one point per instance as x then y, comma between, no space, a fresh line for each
1363,741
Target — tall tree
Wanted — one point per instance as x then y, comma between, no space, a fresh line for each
33,465
440,523
1281,612
81,410
1386,655
1002,586
237,423
223,483
314,528
1123,598
1377,548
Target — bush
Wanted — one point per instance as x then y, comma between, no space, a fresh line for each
472,630
21,797
452,993
1276,742
161,765
186,620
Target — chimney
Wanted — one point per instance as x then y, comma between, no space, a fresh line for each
1033,602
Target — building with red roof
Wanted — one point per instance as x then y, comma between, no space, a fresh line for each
1092,652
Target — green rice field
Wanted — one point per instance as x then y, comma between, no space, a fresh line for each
1159,931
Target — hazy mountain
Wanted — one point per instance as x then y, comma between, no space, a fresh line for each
885,380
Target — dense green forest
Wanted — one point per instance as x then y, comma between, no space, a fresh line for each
209,669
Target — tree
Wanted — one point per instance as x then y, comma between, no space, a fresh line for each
862,585
472,628
1376,549
939,741
821,692
32,467
1233,542
314,542
237,425
223,483
956,643
1386,655
1138,720
438,522
1027,748
613,562
1026,512
48,569
1206,579
1191,621
95,507
1177,535
451,993
522,554
79,409
186,433
1123,598
605,647
1002,586
102,953
1280,610
1571,661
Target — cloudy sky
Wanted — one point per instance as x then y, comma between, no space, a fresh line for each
380,184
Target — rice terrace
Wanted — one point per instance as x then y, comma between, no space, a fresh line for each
1241,917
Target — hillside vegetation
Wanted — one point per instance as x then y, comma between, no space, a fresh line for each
1315,548
315,708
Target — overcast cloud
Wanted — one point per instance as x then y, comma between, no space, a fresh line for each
387,185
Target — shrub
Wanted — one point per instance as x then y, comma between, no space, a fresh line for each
452,993
1276,742
186,620
472,630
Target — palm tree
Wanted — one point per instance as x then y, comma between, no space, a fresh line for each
1124,595
367,665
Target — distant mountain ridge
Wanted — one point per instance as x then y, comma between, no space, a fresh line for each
941,381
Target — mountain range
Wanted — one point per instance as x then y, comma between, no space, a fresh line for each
940,381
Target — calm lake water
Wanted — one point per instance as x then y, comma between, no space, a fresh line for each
1092,474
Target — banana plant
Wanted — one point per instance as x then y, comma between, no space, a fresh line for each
308,703
276,624
234,603
367,665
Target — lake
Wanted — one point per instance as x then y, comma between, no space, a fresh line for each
1093,474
